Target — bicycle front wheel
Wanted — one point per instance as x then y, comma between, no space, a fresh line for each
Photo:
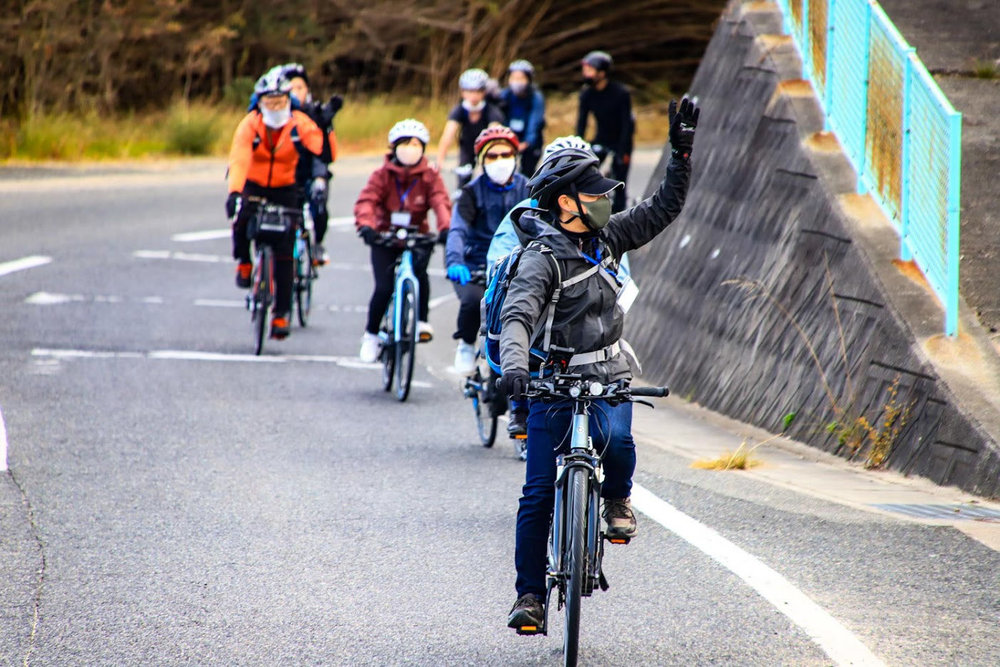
263,289
406,338
574,561
304,283
486,419
387,353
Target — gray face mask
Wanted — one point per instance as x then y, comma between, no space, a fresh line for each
598,214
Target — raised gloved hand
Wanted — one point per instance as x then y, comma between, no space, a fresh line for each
330,109
683,122
459,273
368,234
514,383
233,203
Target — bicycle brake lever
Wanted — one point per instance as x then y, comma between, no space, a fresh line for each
642,402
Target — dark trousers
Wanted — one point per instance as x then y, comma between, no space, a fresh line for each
548,435
320,214
283,265
469,296
384,271
529,160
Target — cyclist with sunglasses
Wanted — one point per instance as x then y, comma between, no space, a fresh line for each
576,244
478,211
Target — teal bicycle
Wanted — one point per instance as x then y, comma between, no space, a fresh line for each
398,336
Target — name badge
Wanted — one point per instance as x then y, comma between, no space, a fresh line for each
627,294
400,219
517,124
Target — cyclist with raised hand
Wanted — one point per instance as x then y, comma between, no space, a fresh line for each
267,147
466,120
524,107
576,243
314,176
478,210
611,105
401,192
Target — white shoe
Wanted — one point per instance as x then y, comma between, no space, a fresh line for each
465,358
425,332
369,348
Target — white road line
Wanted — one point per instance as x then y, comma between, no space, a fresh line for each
23,263
437,301
341,221
197,355
180,256
836,641
209,235
3,443
51,299
221,303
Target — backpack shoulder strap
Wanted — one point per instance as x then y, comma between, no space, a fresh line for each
556,293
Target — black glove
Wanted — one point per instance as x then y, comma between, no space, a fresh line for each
514,383
233,204
330,109
443,237
368,234
683,122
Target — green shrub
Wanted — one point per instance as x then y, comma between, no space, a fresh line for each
191,131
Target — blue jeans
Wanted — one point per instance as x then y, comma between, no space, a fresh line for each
548,435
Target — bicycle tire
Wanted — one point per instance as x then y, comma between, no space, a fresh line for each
303,292
406,343
574,563
388,351
486,420
262,299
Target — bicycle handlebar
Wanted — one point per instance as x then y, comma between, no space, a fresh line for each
409,239
574,387
655,392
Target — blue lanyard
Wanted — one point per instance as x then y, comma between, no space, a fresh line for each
597,262
403,195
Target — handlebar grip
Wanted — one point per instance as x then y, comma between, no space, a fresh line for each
657,392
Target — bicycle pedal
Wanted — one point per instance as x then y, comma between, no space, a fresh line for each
618,540
520,436
425,338
528,630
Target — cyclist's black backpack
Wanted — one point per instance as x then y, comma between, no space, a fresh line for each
497,285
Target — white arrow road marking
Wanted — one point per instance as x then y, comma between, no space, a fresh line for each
836,641
23,263
209,235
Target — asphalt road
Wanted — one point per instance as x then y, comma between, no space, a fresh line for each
165,506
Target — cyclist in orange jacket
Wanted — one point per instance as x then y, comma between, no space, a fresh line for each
267,147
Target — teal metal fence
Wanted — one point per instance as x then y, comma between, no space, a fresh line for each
899,131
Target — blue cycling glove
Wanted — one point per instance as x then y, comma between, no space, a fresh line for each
459,273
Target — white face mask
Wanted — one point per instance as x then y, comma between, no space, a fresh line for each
276,119
500,171
518,88
409,155
473,107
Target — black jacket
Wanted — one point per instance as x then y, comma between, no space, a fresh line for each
587,317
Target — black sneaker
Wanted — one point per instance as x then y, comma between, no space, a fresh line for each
620,518
527,614
280,326
518,424
243,271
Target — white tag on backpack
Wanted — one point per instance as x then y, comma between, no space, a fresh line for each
400,219
627,294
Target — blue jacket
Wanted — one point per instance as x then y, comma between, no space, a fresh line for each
477,212
525,115
505,239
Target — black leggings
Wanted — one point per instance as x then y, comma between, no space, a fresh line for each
283,265
384,270
469,295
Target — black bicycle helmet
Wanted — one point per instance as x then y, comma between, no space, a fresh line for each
295,70
558,172
599,60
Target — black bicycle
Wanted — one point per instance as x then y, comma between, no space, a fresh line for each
398,335
305,267
270,224
576,541
488,402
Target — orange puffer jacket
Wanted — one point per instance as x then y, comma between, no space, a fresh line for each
268,157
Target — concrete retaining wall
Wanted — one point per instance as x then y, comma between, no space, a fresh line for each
761,301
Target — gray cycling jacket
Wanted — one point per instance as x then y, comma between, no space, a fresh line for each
587,317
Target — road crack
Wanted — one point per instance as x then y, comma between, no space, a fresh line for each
39,573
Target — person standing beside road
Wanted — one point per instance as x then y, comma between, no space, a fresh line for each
401,192
524,107
575,244
466,120
478,210
314,176
267,148
611,105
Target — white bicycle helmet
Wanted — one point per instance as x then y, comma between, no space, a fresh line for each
571,141
274,82
522,65
407,128
473,79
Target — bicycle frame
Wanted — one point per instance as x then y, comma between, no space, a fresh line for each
404,272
